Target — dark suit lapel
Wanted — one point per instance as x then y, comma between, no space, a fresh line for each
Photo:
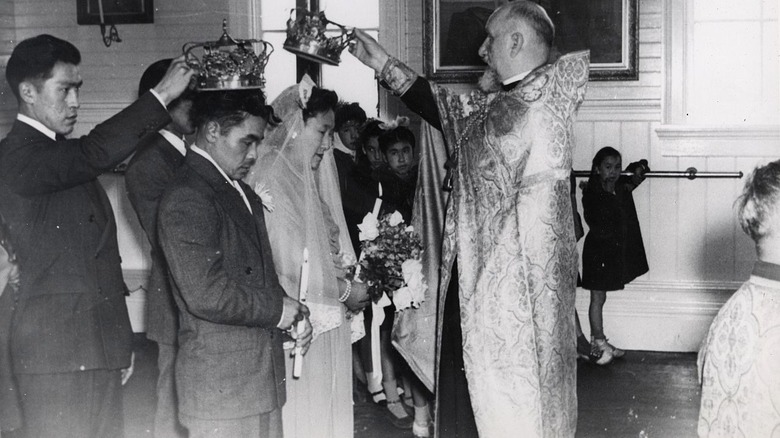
227,195
263,241
257,212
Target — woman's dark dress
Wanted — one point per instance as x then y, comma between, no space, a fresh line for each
613,254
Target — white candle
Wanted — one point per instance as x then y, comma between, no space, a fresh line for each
378,202
304,286
301,326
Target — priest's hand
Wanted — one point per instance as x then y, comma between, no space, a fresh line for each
368,51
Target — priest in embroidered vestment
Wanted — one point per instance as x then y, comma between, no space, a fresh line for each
509,225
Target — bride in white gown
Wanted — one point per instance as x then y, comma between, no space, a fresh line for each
295,174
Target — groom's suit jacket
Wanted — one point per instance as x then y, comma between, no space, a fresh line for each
230,362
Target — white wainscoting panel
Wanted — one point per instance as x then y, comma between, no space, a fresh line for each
659,316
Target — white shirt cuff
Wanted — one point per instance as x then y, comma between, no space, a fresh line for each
279,324
154,93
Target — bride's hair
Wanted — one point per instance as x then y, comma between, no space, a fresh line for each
321,101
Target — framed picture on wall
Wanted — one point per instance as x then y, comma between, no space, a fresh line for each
454,30
114,11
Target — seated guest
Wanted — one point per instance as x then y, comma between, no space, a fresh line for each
738,360
230,373
70,333
158,157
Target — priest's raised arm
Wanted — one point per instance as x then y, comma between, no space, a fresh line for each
509,225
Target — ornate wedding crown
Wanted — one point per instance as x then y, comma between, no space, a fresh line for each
306,37
229,64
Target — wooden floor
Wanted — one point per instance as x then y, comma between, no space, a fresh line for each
645,394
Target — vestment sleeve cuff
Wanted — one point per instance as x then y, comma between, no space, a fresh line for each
397,76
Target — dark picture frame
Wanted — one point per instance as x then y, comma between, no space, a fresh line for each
453,30
115,11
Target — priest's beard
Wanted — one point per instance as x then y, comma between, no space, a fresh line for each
489,81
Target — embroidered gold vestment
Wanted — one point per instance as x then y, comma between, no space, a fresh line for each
509,223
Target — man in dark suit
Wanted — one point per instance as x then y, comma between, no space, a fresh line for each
230,364
158,157
70,335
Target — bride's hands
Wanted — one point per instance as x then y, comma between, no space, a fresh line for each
358,298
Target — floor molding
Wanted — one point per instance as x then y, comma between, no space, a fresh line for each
659,316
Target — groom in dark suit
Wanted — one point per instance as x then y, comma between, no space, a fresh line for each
230,364
70,334
158,157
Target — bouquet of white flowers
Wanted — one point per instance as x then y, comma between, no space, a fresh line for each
390,262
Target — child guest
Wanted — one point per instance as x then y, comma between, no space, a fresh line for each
399,181
613,253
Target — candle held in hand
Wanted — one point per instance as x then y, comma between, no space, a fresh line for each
301,325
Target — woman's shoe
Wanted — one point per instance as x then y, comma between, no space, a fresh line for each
422,422
601,349
421,430
398,416
378,397
617,353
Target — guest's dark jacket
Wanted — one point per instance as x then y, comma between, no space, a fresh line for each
148,174
358,193
397,193
230,362
613,254
71,313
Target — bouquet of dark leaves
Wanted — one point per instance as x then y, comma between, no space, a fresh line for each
390,261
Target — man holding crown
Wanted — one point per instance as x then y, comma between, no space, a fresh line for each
70,333
509,226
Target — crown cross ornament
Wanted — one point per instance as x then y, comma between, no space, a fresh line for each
306,37
229,64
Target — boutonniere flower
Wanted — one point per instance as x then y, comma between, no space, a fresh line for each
265,196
